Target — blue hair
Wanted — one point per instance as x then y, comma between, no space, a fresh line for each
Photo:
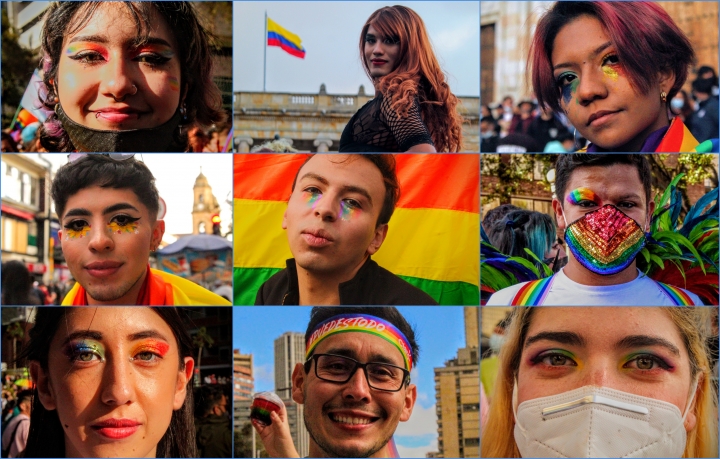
522,229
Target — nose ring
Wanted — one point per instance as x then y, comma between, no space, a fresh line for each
123,97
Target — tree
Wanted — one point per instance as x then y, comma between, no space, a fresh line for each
18,65
243,442
201,339
514,172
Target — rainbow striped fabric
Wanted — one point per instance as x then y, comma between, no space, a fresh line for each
288,41
532,293
676,295
433,240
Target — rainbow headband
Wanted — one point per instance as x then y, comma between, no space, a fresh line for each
364,323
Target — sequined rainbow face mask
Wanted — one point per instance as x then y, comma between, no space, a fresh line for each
605,241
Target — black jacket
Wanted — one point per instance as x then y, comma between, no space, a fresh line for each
372,285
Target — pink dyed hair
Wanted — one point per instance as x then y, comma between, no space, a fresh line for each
646,38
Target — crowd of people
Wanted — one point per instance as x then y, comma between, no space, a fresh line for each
509,127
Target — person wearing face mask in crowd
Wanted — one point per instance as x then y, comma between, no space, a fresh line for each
354,385
212,423
488,134
125,76
682,106
603,206
704,124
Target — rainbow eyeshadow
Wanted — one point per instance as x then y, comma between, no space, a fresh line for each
311,199
346,211
156,347
76,234
174,84
130,228
582,194
76,47
84,346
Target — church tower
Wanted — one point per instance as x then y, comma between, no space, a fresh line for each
205,206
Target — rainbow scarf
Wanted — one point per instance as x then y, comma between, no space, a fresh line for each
159,289
363,323
433,239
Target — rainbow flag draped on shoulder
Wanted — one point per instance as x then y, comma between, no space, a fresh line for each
433,239
288,41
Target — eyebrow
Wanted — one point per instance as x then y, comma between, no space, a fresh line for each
593,55
629,196
563,337
374,358
83,334
634,341
348,188
82,212
104,40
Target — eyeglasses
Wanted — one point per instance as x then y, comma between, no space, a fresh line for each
72,157
339,369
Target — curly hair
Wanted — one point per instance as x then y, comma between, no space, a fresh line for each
202,97
418,74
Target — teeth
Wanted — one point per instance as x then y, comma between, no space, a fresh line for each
350,420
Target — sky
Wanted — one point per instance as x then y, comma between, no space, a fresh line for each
175,176
440,333
330,32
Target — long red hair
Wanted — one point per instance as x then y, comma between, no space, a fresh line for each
418,74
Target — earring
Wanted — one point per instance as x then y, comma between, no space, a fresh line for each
183,111
663,97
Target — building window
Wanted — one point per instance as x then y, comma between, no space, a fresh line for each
201,198
201,228
472,442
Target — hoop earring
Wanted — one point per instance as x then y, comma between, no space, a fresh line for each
663,97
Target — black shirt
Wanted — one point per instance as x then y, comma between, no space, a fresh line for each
376,127
372,285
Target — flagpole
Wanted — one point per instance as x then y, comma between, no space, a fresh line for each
265,52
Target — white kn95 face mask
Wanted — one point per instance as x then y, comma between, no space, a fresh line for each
599,422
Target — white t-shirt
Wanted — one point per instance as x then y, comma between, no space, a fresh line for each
642,291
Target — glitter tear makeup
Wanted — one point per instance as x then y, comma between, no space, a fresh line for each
605,241
311,199
129,228
76,234
77,349
346,211
582,194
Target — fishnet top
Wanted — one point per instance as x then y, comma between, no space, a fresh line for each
376,127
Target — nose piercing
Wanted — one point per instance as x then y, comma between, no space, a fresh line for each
136,90
123,97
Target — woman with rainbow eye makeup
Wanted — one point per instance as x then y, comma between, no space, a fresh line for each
613,68
120,76
637,383
110,382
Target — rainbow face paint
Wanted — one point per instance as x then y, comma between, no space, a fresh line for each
347,211
582,194
174,84
82,350
129,228
71,233
605,241
569,89
75,48
151,346
610,72
311,198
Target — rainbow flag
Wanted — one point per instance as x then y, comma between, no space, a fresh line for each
433,240
279,36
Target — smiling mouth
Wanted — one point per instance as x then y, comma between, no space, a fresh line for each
351,420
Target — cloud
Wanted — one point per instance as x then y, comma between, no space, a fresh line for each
416,451
264,377
422,422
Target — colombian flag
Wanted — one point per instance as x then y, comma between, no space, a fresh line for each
278,36
433,240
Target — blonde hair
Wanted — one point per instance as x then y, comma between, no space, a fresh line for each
693,323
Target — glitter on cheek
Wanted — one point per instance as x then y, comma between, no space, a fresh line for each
610,72
130,228
174,84
311,199
76,234
346,211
